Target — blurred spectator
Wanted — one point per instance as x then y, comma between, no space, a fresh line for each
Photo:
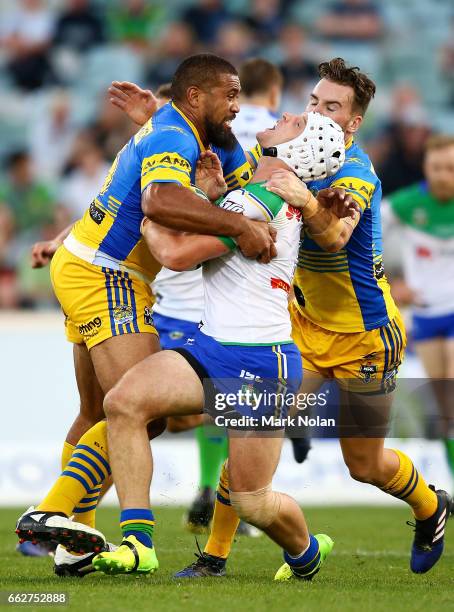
27,35
297,65
175,43
52,137
265,19
447,62
78,27
30,200
403,162
135,21
86,179
235,42
206,18
111,130
351,21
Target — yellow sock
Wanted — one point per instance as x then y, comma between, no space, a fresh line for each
66,453
82,478
408,484
225,520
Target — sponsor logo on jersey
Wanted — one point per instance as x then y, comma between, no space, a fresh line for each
368,371
293,213
123,314
379,270
423,252
96,213
91,328
148,316
278,283
169,160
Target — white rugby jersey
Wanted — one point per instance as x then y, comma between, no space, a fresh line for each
246,301
179,294
250,120
426,230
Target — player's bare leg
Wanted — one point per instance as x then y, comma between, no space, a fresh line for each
252,463
90,393
111,359
394,473
146,392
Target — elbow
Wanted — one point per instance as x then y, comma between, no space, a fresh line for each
152,204
172,259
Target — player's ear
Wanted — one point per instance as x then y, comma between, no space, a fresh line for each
193,96
354,124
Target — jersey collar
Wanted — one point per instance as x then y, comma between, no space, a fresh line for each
349,143
192,126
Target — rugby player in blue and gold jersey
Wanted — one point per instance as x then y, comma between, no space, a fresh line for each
347,327
101,273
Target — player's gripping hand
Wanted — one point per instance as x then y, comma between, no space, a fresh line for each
257,240
139,104
42,252
208,175
339,202
289,187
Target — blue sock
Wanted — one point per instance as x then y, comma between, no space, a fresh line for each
308,562
138,522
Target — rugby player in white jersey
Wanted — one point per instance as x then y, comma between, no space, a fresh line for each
423,217
244,342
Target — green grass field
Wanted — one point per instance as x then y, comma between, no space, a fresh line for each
368,570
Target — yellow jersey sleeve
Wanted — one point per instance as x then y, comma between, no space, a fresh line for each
168,156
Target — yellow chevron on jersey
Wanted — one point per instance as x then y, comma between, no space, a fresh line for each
164,150
347,291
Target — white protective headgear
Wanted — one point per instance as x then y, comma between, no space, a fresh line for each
316,153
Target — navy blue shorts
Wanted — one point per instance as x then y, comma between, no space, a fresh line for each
427,328
173,332
251,381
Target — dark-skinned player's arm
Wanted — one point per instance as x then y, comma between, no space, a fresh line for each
330,217
42,252
181,251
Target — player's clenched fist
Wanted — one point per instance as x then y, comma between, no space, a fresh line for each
257,240
42,252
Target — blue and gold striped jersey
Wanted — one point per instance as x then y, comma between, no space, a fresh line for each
348,291
165,149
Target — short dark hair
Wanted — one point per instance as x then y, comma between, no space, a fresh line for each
202,70
164,91
258,75
337,71
16,157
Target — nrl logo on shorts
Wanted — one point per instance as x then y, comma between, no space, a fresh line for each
368,371
123,314
176,335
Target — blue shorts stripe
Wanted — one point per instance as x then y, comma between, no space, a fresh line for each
121,327
385,344
133,302
94,465
82,480
401,342
392,343
82,468
80,510
109,301
125,300
99,457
